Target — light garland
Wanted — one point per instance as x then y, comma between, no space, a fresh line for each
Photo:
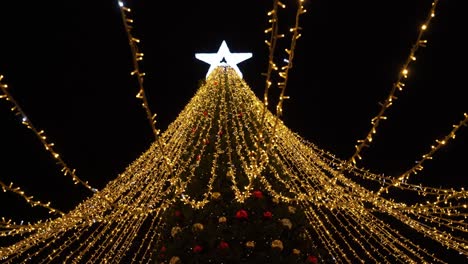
428,156
137,58
283,73
49,146
29,199
397,86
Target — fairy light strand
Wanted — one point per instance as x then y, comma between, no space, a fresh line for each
271,43
29,199
137,57
284,71
274,36
397,86
16,109
428,156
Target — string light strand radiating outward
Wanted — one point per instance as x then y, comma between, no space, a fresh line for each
16,109
428,156
271,43
397,86
137,56
283,73
274,36
29,199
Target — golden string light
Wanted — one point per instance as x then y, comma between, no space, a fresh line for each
283,72
49,146
428,156
397,86
274,36
271,43
29,199
137,57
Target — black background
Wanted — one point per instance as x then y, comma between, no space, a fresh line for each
68,62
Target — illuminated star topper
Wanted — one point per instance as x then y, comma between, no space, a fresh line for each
222,58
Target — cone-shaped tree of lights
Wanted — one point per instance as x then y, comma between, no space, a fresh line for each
225,187
201,199
234,215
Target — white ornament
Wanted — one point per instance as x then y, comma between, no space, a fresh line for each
223,57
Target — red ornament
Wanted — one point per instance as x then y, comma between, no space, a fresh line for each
197,249
267,215
223,245
242,214
312,259
258,194
205,113
198,157
220,133
178,214
215,83
163,250
240,114
194,130
206,141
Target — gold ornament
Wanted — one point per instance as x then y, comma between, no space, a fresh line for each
286,223
175,260
197,227
250,244
175,230
277,244
296,251
291,209
216,195
222,219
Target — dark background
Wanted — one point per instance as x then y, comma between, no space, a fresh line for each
68,62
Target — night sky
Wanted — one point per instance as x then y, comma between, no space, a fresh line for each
68,62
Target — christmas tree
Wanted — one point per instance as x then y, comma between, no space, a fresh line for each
228,182
229,213
208,194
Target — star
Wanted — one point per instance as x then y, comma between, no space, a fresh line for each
222,58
